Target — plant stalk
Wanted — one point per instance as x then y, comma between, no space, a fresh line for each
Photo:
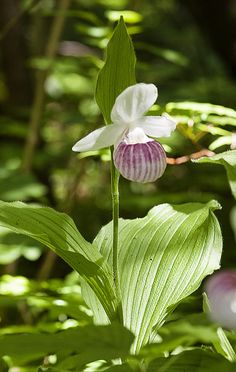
115,216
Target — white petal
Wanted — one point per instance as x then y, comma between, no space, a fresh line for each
156,126
100,138
136,135
133,102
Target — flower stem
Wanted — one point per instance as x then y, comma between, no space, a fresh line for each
115,216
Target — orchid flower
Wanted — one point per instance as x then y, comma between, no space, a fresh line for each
138,157
221,292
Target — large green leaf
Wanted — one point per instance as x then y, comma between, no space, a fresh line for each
193,360
228,159
91,342
58,232
163,257
188,331
118,71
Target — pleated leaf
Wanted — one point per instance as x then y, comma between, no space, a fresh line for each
118,71
188,331
197,360
163,258
81,344
59,233
228,160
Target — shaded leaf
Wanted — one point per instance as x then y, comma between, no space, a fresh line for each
183,332
16,186
91,342
193,360
195,328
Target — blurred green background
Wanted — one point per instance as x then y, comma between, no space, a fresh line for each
51,52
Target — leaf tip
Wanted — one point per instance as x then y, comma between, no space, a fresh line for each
214,205
122,25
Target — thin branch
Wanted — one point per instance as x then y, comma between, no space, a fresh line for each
13,21
37,109
47,265
186,158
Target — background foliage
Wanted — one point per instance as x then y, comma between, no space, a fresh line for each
51,52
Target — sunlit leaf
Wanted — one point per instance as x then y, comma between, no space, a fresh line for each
118,71
129,16
15,286
221,141
221,120
162,259
223,346
204,108
213,130
95,32
58,232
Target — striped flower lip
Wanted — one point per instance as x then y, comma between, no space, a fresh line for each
221,292
140,162
137,156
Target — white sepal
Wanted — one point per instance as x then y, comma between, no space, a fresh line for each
100,138
157,126
133,103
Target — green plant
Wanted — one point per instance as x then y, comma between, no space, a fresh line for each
134,274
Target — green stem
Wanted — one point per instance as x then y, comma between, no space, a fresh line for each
115,216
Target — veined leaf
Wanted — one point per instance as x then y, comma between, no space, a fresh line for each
59,233
221,141
91,342
163,258
186,332
223,346
192,360
118,71
228,159
203,108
